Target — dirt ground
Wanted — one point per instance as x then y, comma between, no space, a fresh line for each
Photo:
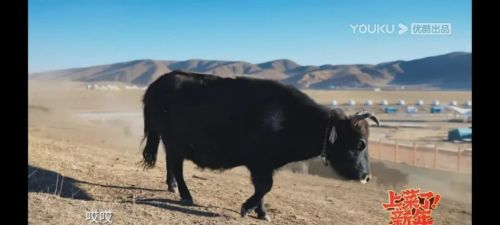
77,165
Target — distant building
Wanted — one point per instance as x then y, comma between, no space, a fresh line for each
113,87
390,109
460,134
133,87
436,109
411,109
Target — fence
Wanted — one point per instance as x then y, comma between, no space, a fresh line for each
455,160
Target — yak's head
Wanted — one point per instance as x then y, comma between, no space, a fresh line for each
347,145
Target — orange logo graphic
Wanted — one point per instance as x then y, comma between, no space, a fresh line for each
411,207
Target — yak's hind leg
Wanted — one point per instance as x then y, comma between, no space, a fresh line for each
170,178
171,182
175,163
261,211
262,181
175,176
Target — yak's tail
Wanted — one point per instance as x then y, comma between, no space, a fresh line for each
150,134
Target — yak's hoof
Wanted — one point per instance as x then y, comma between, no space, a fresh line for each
187,201
265,217
172,187
244,211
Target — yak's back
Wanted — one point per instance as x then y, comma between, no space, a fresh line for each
199,88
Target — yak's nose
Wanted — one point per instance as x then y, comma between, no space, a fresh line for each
365,178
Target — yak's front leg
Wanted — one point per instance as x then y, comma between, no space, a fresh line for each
262,182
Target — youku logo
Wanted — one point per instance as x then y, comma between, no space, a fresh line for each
377,28
416,28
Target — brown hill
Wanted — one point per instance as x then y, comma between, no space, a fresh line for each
449,71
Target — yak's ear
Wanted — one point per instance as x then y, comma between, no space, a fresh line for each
333,135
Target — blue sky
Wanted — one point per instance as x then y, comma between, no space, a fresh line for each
66,34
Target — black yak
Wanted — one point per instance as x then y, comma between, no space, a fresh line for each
221,123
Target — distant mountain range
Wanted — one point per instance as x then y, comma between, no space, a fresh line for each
449,71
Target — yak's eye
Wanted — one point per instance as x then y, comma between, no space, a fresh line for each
361,145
